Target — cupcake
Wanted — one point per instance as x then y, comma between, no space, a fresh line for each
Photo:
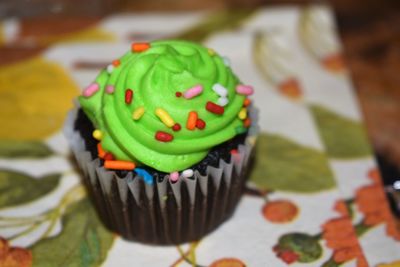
164,137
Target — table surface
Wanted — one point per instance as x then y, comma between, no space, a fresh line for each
32,44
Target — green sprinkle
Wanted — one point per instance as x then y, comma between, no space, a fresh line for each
240,129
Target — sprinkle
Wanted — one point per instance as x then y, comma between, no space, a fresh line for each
223,101
128,96
211,51
116,63
247,123
242,114
109,156
240,130
191,121
200,124
97,134
119,165
244,89
176,127
139,47
147,178
91,90
214,108
220,90
174,176
138,113
178,94
246,102
192,92
227,61
100,151
164,117
187,173
110,89
234,151
163,136
110,68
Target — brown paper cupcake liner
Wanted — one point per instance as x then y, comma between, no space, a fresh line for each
165,212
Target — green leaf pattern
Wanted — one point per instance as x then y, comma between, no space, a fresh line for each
284,165
343,137
84,241
18,188
23,149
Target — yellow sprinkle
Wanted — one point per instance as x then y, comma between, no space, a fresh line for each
97,134
242,114
211,51
138,113
165,117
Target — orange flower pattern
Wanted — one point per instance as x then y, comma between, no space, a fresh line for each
291,88
341,237
280,211
334,62
371,201
341,208
228,262
14,256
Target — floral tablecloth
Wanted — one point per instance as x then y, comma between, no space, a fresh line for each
314,198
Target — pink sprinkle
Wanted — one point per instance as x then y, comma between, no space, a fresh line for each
91,90
174,176
244,89
192,92
110,89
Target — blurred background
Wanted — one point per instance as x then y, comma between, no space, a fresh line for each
369,30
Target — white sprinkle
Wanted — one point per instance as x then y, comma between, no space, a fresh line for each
110,68
220,90
187,173
223,101
227,61
396,185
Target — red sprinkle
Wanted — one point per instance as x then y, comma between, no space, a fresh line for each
176,127
234,151
164,137
214,108
247,123
109,156
116,63
178,94
200,124
128,96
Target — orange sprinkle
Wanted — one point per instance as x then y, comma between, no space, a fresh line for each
140,47
116,63
100,151
119,165
246,102
191,121
246,123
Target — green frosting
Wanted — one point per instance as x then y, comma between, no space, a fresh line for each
154,76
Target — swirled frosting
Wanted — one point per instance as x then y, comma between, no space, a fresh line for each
158,75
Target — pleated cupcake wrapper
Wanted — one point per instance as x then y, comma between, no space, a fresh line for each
164,212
